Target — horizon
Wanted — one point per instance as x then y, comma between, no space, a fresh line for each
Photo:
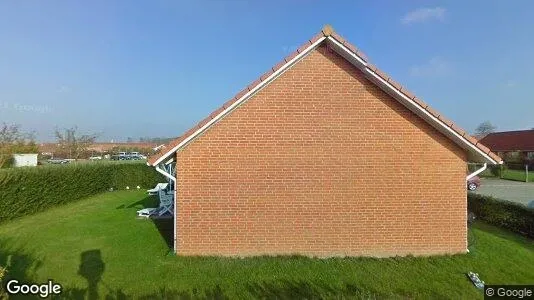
156,69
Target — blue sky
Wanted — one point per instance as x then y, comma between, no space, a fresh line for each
154,68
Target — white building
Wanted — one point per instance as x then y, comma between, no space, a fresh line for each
25,160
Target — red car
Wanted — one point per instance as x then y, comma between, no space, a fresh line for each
473,183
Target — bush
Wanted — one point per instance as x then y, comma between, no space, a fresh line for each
509,215
496,170
7,151
2,274
25,191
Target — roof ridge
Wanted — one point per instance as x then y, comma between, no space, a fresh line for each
326,32
510,131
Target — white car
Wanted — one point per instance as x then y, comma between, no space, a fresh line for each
95,158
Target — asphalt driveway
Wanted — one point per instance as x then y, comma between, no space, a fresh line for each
520,192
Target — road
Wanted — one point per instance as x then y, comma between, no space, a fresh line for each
520,192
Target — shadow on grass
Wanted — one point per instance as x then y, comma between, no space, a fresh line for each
166,230
148,201
505,234
164,225
20,265
92,267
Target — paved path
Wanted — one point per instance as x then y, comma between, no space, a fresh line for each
521,192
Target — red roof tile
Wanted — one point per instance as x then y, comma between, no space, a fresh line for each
445,120
217,112
420,102
303,47
471,139
395,84
435,113
316,37
461,132
291,56
266,75
483,148
521,140
338,38
372,67
408,94
328,31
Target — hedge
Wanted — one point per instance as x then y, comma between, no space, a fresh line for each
506,214
24,191
2,292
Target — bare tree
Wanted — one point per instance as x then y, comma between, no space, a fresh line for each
71,143
13,140
484,129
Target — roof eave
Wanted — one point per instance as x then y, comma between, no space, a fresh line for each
389,87
301,54
358,59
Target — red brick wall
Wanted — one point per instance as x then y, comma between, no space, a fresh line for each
321,162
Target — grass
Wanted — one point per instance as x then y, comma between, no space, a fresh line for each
515,175
96,248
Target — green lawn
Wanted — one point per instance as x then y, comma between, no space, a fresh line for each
97,248
515,175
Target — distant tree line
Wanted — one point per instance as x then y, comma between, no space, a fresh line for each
70,143
156,140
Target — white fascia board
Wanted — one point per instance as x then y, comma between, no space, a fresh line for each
242,99
358,62
429,117
346,53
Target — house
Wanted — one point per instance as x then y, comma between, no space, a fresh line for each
108,147
47,149
323,155
25,160
514,146
51,148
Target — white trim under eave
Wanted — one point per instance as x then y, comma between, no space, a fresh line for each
347,51
410,101
433,118
251,93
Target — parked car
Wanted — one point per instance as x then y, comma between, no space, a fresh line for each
57,161
95,158
133,155
122,156
473,183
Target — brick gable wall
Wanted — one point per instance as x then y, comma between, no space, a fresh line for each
321,162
